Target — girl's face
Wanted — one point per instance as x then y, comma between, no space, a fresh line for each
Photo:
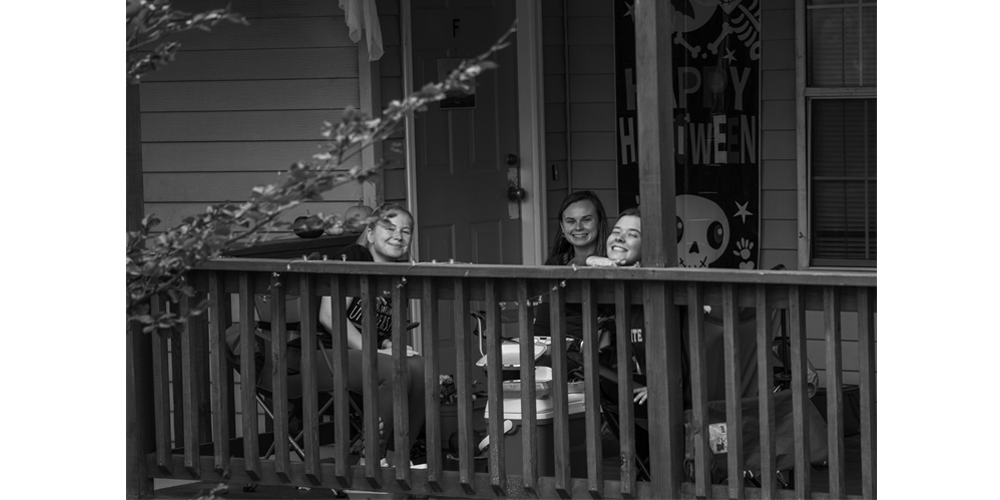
579,224
625,241
389,239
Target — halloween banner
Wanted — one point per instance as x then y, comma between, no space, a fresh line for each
716,57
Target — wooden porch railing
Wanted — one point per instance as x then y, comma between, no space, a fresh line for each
204,444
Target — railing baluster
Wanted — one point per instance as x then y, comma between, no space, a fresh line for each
699,389
592,411
560,378
765,395
279,377
734,383
341,396
494,375
308,317
432,388
400,405
529,434
221,372
189,340
834,393
248,379
161,391
797,333
176,380
866,353
203,359
369,374
665,403
626,408
463,381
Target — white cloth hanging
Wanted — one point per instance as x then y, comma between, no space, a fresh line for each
360,14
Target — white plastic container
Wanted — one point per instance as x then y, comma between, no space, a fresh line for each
544,432
510,355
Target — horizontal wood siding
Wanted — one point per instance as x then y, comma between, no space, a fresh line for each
579,72
269,156
778,202
591,67
218,186
261,64
242,103
390,74
554,96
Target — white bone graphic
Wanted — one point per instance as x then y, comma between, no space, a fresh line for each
726,30
753,20
679,40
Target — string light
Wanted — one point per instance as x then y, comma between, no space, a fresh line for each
533,301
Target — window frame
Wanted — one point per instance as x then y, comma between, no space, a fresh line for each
804,97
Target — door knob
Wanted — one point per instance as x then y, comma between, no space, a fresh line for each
516,193
512,159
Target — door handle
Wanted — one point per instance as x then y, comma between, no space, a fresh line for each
516,193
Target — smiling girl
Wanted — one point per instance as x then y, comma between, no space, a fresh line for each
386,239
583,226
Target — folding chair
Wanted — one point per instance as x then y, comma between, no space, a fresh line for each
264,396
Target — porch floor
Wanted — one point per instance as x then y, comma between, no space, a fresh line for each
170,489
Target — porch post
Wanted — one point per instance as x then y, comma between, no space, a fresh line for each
659,246
138,411
531,130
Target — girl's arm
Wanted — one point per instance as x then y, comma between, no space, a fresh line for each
326,319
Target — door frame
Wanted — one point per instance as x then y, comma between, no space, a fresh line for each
531,126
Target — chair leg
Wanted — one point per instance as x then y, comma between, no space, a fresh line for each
295,445
640,461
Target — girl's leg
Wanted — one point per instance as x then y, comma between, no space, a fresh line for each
355,382
416,395
413,385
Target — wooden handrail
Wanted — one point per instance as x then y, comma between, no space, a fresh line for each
496,271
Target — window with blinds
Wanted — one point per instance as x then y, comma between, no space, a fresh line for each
841,109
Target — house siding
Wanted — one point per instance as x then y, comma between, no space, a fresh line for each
579,65
556,126
778,187
388,71
241,104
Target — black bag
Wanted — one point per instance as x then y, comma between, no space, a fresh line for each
783,431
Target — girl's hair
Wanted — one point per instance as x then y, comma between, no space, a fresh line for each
380,213
634,211
562,251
